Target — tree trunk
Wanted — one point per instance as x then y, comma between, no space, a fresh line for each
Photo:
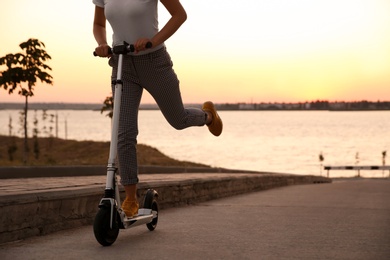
25,154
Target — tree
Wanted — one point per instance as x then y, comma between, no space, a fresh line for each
108,105
27,67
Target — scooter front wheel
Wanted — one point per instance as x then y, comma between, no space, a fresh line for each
105,235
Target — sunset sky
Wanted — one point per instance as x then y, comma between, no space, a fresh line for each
227,51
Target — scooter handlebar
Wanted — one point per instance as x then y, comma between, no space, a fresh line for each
125,48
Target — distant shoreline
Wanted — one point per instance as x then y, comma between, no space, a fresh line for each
303,106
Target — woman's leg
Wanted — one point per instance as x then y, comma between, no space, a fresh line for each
160,80
127,135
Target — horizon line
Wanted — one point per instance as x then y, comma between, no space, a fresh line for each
239,102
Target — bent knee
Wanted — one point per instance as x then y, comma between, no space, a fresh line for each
179,126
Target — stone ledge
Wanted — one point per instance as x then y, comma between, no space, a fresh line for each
43,212
14,172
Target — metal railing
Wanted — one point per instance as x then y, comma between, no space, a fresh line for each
357,168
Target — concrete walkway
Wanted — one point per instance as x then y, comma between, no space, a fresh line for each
343,220
40,206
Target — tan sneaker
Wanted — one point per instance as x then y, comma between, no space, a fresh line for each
215,127
130,207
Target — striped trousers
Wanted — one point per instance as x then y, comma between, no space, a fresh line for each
154,73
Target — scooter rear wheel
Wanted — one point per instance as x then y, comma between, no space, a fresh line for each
151,203
152,225
105,235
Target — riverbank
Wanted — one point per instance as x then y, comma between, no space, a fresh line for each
60,152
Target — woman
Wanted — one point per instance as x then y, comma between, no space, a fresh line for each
135,21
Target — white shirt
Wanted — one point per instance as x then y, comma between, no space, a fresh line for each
131,20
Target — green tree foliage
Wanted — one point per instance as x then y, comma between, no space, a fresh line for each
23,70
108,105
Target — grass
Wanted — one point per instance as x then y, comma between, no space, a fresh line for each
55,151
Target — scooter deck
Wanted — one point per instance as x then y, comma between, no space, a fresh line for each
144,216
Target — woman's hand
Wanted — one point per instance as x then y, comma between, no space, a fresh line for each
140,44
103,50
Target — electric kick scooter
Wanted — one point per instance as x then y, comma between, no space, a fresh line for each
110,217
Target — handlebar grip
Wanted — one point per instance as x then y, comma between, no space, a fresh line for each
109,52
149,45
130,48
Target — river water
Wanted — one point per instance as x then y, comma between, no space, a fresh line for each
274,141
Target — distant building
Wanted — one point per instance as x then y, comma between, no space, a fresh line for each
338,106
245,106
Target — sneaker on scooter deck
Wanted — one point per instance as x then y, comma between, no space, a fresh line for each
130,208
215,126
